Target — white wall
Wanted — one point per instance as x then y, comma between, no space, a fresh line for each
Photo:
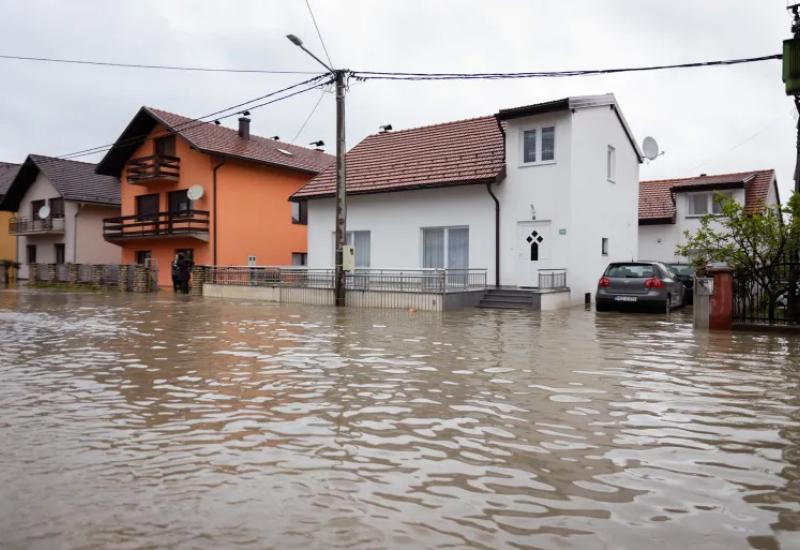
90,247
395,222
600,207
658,242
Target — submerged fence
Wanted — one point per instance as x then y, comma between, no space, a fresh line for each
432,281
133,278
777,303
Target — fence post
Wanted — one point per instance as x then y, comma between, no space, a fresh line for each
140,282
33,273
122,277
72,273
97,274
198,278
51,273
720,316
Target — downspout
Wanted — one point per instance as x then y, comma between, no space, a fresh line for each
214,192
496,235
75,234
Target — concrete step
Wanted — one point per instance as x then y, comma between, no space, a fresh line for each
503,305
523,300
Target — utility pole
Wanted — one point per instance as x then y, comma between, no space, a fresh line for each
341,192
341,179
796,34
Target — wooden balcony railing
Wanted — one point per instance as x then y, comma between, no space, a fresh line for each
185,223
154,168
35,226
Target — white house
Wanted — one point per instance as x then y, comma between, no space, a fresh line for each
669,208
559,180
59,207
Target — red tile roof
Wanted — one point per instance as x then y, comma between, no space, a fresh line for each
452,153
656,201
210,138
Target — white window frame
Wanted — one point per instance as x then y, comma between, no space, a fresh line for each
350,231
538,129
710,196
604,246
445,242
611,164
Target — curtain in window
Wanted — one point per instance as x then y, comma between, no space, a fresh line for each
433,248
548,143
529,146
458,248
361,242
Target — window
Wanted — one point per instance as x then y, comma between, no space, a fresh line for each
57,208
701,204
35,207
300,212
179,202
539,145
147,207
165,146
59,253
31,253
299,258
142,257
604,246
611,164
360,240
445,247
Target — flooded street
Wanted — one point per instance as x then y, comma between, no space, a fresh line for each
138,422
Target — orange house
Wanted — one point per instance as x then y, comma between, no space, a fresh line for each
217,194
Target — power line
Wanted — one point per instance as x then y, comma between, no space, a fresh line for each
192,123
377,75
319,34
313,110
146,66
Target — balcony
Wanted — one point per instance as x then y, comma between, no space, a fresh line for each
153,169
25,226
192,224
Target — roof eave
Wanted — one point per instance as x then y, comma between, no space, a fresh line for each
412,187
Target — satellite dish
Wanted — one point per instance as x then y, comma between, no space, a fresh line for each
650,148
195,192
44,212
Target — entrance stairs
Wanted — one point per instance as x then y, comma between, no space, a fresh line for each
510,298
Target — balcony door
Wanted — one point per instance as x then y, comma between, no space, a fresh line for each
147,207
165,146
179,204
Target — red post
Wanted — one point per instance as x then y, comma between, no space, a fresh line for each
720,315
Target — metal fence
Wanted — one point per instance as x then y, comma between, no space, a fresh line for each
777,304
436,281
552,278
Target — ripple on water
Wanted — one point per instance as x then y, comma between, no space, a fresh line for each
141,422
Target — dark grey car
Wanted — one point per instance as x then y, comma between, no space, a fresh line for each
648,286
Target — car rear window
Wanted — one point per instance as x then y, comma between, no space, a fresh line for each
630,271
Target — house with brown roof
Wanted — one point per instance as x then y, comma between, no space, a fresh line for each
237,212
542,195
670,207
58,208
8,242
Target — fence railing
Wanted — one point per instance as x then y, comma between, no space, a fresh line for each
137,278
153,168
183,223
25,226
776,304
552,278
436,281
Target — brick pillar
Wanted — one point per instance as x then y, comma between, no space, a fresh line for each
198,277
51,272
122,277
97,274
5,271
72,273
720,315
141,278
33,272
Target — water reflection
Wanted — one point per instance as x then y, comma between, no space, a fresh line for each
140,422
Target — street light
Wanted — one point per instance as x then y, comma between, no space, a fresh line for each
341,186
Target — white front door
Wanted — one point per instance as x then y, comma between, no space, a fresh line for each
534,251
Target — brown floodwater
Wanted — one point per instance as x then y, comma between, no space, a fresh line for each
143,422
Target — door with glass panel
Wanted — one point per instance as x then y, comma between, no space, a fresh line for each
446,248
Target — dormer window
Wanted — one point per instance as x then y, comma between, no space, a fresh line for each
700,204
539,145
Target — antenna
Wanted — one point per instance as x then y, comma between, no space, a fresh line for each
195,192
650,148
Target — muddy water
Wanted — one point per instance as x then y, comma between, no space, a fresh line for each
133,422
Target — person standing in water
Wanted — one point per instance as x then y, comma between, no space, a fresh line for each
175,273
184,272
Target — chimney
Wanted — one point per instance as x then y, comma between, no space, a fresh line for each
244,127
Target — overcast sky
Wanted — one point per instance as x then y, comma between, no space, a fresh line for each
706,120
